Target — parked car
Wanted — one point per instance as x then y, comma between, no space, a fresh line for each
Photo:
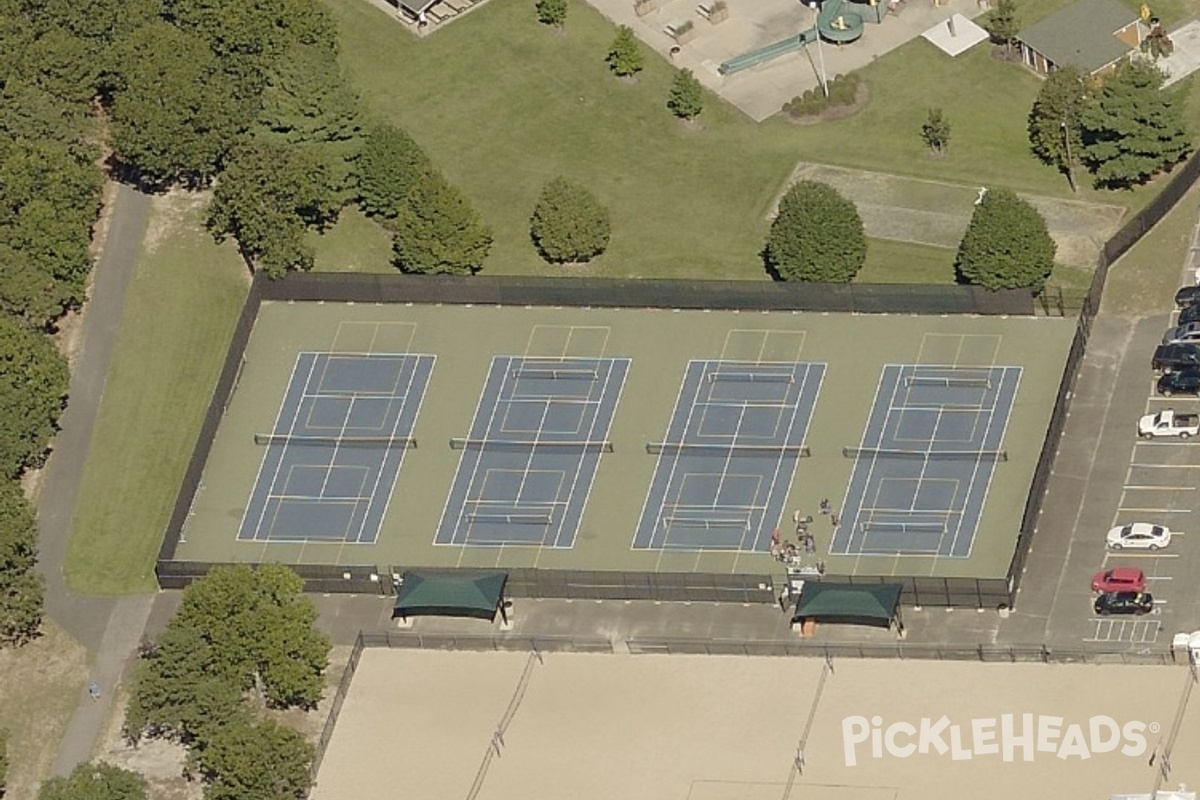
1189,314
1183,334
1123,603
1168,422
1170,357
1119,579
1187,296
1139,536
1184,381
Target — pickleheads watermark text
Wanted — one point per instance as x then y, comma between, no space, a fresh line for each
1009,736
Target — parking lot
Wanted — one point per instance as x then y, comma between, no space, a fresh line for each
1106,476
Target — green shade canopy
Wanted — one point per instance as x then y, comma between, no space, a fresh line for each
872,604
459,593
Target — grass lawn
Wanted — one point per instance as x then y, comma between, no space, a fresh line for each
503,104
43,682
354,244
179,315
1144,279
901,262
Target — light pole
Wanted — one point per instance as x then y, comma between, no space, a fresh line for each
1070,161
816,7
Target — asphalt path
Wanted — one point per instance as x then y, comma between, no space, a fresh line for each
109,628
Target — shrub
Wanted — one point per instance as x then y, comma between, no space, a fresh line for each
843,90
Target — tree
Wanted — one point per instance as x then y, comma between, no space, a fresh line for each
569,224
261,630
266,198
1006,246
263,761
22,588
686,98
33,391
98,781
816,236
388,166
307,97
437,231
237,629
936,131
1054,120
176,694
552,12
1002,24
177,113
1132,129
625,57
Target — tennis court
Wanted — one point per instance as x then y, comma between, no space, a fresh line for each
393,435
532,452
729,455
931,446
338,443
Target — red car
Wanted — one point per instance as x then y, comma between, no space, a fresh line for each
1119,579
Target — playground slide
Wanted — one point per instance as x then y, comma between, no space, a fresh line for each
836,23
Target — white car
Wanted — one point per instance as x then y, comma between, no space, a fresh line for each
1140,536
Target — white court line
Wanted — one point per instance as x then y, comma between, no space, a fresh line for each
658,461
979,465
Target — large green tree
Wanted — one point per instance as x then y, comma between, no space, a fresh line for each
98,781
263,761
569,224
176,113
1133,129
1002,23
1055,120
33,390
269,194
686,96
817,236
22,588
177,693
307,97
388,166
625,57
437,230
1006,246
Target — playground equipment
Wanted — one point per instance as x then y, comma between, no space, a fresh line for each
835,23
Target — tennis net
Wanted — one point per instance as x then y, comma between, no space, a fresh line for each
750,377
726,450
335,441
531,445
552,374
977,382
926,455
886,526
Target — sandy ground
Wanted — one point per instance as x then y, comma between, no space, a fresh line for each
719,728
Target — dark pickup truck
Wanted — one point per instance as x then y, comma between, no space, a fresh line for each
1170,357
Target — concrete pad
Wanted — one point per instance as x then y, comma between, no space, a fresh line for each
956,35
1185,59
760,92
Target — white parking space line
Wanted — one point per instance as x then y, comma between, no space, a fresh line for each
1136,465
1145,487
1155,510
1127,554
1179,443
1138,631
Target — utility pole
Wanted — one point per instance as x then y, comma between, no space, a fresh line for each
816,8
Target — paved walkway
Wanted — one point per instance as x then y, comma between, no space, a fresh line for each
109,628
1185,59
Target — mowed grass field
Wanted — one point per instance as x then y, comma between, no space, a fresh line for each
180,312
503,104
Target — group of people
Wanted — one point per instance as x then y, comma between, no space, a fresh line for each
789,552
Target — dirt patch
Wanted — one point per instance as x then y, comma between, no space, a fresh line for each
936,213
43,681
861,96
171,210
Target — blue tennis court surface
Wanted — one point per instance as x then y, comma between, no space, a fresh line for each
928,453
729,455
532,451
336,448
